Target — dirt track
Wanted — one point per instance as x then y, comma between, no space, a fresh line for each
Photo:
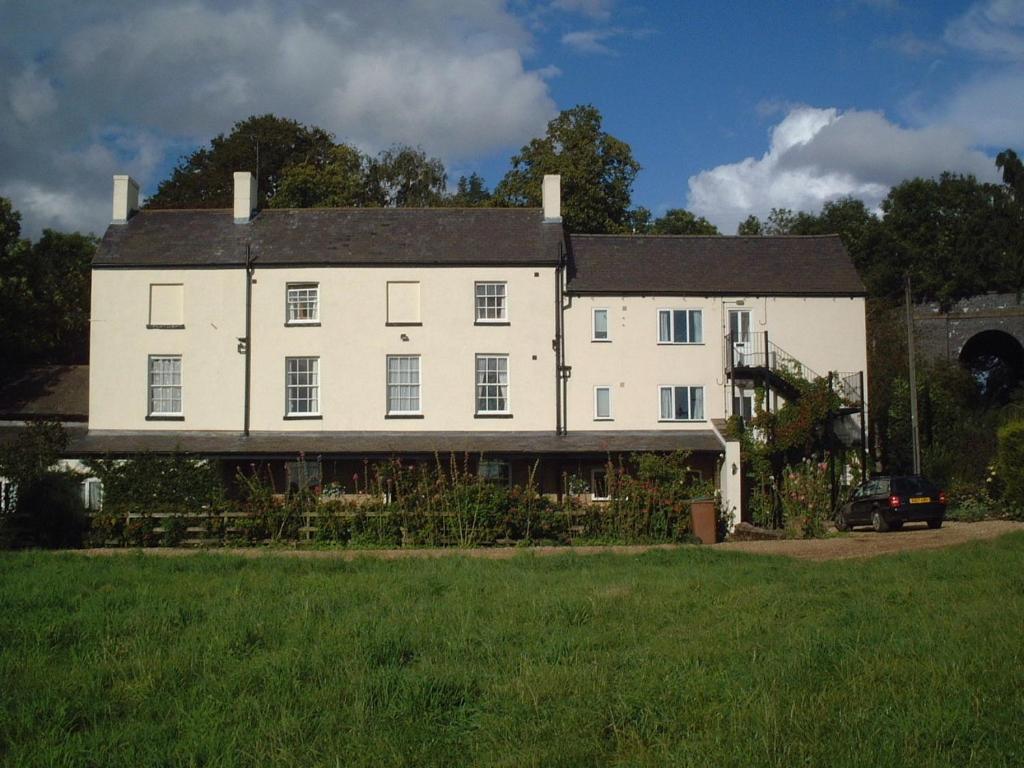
852,545
867,543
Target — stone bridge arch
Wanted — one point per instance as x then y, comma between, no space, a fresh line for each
985,333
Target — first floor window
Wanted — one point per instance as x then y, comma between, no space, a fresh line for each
743,406
492,471
403,384
599,484
165,385
303,301
602,402
601,325
92,494
490,302
492,384
302,382
680,326
682,403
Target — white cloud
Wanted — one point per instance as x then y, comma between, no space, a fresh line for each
594,40
817,155
994,29
598,9
122,86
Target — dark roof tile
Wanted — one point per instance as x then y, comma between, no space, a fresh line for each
313,236
699,265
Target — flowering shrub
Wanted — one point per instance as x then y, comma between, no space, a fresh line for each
806,498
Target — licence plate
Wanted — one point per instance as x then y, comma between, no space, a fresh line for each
920,499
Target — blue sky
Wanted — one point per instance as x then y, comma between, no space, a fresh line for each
731,108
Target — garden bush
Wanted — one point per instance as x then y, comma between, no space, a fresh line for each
1010,461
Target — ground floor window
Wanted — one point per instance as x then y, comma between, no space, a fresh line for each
493,471
303,475
8,496
92,494
743,405
599,484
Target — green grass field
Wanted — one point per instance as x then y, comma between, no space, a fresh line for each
691,657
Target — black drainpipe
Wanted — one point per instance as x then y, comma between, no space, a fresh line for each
558,342
247,343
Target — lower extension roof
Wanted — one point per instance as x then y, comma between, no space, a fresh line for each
289,444
711,265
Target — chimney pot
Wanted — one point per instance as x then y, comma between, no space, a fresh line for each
126,198
551,198
245,196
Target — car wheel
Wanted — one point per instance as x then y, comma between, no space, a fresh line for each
933,524
878,522
840,522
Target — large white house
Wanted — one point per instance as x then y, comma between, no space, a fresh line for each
352,334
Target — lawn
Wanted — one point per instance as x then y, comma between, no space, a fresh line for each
688,657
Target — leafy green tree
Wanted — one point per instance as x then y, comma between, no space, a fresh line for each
1013,177
44,294
678,221
340,181
264,144
750,227
470,192
405,177
597,172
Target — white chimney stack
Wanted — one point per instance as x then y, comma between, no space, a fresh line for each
245,196
551,198
126,198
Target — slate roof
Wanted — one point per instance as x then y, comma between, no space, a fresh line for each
712,265
350,236
289,444
55,391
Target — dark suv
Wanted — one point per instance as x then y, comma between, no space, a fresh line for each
886,503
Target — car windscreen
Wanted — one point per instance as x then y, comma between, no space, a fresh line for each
913,486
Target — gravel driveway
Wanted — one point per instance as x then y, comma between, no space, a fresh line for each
851,545
866,543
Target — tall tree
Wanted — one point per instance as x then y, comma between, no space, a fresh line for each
597,172
44,295
750,227
337,182
678,221
405,177
264,145
470,192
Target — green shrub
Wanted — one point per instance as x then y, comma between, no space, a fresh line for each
52,508
1010,461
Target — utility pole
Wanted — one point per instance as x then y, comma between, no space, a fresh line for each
913,381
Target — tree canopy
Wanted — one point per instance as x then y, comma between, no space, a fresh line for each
678,221
265,145
44,294
597,171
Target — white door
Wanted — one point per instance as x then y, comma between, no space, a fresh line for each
740,336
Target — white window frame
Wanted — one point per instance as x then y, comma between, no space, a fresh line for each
672,327
503,318
477,384
418,385
314,386
88,483
290,305
689,402
593,484
607,325
151,386
597,414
